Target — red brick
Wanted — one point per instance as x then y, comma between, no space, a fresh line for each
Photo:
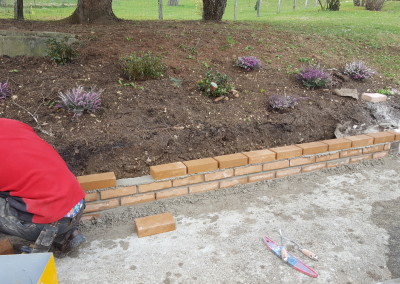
287,152
232,160
120,191
248,170
168,170
373,149
387,147
155,186
6,247
135,199
263,176
360,140
94,196
276,165
379,155
337,144
88,217
97,181
313,148
260,156
396,135
102,205
352,152
232,182
172,193
338,163
314,167
382,137
155,224
188,180
219,175
201,165
302,161
203,187
360,158
328,157
288,172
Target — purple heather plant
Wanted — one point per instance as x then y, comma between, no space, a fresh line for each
314,77
282,102
248,63
78,100
358,70
5,90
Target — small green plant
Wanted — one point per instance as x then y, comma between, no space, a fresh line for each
215,84
249,48
389,92
142,67
176,82
61,52
130,84
305,59
14,71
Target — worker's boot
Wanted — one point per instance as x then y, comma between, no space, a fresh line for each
76,239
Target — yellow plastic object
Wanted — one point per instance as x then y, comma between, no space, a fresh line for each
36,268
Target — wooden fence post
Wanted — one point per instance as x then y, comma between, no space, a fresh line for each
279,6
235,10
259,8
160,10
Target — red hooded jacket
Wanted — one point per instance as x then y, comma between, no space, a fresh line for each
33,176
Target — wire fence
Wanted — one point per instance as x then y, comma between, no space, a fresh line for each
161,9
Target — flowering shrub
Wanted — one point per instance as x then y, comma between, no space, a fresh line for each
314,77
145,66
248,63
77,100
5,90
389,91
358,70
215,84
282,102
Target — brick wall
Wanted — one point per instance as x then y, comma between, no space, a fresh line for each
103,191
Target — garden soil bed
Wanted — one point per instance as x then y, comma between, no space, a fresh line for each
169,120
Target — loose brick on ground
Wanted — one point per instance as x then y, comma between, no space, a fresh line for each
337,144
201,165
313,148
327,157
288,172
120,191
302,161
93,196
287,152
373,149
6,247
373,97
168,170
219,175
102,205
172,193
275,165
379,155
232,182
188,180
155,186
155,224
232,160
203,187
338,163
360,158
360,140
131,200
248,170
382,137
97,181
352,152
260,156
260,177
312,168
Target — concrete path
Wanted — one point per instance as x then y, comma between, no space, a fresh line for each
348,216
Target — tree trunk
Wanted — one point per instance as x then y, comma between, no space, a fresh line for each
213,10
173,2
90,11
19,9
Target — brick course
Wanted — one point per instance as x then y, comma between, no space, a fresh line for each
288,172
379,155
188,180
313,148
121,191
373,149
276,165
382,137
338,144
248,170
287,152
360,140
93,196
313,168
201,165
328,157
172,193
203,187
302,161
131,200
232,160
232,182
102,205
348,153
260,177
260,156
168,170
219,175
154,186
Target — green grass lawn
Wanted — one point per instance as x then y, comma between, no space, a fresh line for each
378,32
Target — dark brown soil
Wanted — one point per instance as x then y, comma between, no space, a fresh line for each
164,122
